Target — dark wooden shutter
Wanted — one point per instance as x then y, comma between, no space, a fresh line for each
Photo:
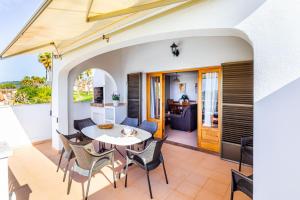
134,97
237,106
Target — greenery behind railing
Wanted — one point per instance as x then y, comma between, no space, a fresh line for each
31,90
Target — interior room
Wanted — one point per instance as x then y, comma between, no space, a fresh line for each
181,97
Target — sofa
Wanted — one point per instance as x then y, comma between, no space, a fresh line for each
186,121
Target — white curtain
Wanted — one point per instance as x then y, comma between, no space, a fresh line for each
210,92
152,98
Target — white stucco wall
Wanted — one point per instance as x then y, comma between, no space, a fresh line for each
205,18
79,110
196,52
99,78
274,32
24,124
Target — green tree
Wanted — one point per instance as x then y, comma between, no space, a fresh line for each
33,90
33,81
8,86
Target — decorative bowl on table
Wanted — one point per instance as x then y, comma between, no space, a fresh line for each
106,126
128,131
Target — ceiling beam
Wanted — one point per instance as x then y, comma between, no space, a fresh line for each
133,9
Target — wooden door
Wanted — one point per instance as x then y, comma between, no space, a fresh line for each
155,101
209,109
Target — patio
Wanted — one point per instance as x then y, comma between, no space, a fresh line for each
129,39
192,175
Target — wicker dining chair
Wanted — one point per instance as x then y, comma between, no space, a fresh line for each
148,159
134,122
83,123
67,152
88,162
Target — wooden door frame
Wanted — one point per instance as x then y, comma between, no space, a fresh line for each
217,69
196,69
162,102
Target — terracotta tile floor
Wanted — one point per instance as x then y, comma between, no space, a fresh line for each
182,137
192,175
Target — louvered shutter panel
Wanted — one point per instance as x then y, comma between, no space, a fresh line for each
134,97
237,106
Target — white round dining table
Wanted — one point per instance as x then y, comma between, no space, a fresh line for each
114,136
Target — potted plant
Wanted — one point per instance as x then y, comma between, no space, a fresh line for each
184,97
115,99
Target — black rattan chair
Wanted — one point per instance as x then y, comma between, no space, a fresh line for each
88,160
246,150
149,159
134,122
240,182
83,123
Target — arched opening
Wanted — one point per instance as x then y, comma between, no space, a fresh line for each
86,83
84,86
200,48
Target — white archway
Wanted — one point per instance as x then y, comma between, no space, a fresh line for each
80,110
81,57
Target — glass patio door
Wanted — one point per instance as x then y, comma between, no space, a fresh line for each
155,101
209,136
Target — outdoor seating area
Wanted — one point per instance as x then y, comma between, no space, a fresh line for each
191,175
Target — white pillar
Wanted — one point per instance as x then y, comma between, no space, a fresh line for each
5,152
54,117
59,103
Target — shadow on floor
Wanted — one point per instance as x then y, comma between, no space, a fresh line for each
17,191
53,156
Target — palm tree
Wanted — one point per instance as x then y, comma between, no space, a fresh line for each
46,59
89,80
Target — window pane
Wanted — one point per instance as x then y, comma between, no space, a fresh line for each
155,97
210,99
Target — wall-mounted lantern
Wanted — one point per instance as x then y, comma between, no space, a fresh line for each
174,49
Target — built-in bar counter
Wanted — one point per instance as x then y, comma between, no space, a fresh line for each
108,113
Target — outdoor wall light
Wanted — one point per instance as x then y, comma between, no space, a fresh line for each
174,49
105,37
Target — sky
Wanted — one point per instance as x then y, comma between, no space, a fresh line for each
14,14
